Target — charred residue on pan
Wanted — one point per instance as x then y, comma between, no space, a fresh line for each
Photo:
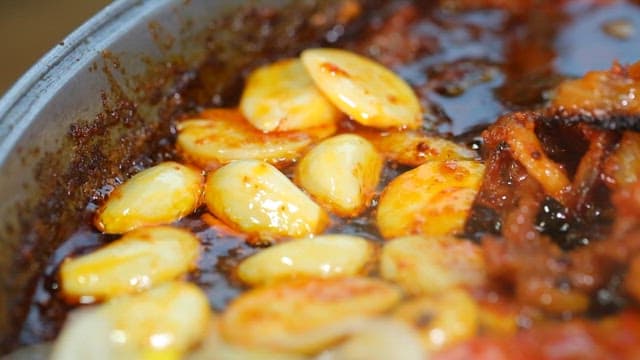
135,130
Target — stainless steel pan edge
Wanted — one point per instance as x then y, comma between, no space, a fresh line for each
34,116
76,83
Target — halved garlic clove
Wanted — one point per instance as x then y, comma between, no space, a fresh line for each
363,89
432,199
442,319
219,136
341,173
282,97
430,265
158,195
259,200
139,260
162,323
321,257
304,316
414,148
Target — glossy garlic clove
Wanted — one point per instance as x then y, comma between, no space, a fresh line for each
171,318
162,323
304,316
430,265
139,260
158,195
86,334
282,97
341,173
413,148
380,339
363,89
216,348
219,136
321,257
432,199
256,198
441,320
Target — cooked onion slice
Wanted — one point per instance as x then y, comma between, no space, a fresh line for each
602,92
363,89
623,167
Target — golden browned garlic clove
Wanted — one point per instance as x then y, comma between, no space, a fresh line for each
432,199
322,257
441,320
304,316
216,348
341,173
414,148
139,260
430,265
219,136
86,335
256,198
162,323
282,97
158,195
172,317
363,89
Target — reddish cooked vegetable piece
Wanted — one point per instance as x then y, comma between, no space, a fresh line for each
623,167
617,337
525,251
517,131
602,92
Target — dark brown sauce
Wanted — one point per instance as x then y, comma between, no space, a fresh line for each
472,68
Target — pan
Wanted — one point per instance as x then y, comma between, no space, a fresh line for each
90,107
103,104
